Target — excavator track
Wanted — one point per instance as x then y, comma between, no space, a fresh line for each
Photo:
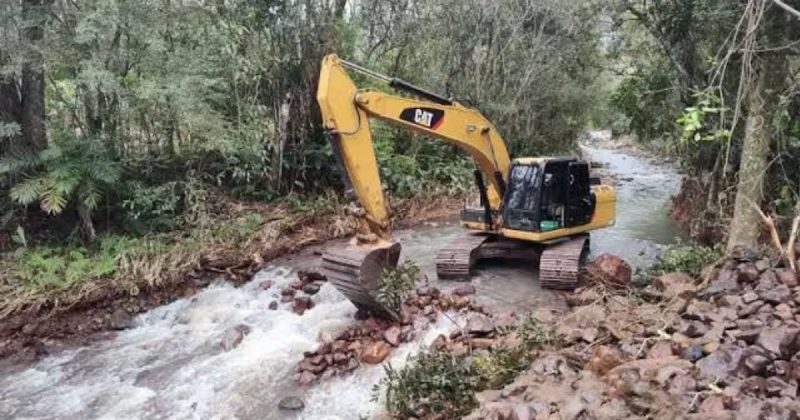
561,264
456,260
355,271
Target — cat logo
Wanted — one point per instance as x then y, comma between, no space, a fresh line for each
430,118
423,117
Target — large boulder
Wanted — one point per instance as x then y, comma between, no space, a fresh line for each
610,269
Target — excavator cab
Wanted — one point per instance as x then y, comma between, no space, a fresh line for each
548,194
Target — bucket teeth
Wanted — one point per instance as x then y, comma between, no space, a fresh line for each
561,264
355,271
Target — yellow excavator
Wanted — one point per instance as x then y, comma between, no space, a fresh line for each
539,209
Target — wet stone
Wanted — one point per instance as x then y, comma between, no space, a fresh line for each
464,290
234,336
273,305
311,288
479,324
291,404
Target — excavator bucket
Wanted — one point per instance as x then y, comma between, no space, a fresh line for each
355,270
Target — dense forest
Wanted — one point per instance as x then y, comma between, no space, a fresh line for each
123,124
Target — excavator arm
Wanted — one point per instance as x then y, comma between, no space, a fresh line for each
347,111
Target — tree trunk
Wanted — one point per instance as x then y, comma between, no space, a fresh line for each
761,101
32,116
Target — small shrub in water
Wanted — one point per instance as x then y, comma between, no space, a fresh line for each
397,283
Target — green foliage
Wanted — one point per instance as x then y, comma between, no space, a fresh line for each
536,336
70,168
436,384
44,269
695,120
430,383
686,258
647,100
397,283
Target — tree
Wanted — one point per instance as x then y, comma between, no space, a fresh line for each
763,79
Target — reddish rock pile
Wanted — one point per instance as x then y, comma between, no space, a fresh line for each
372,339
299,291
729,350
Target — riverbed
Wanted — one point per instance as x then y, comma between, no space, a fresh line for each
171,364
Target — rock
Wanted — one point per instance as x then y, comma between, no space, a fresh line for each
747,273
296,284
308,365
610,269
778,294
711,347
694,329
721,363
121,319
522,411
286,299
375,353
756,364
660,349
273,305
291,403
311,288
762,264
777,340
479,324
749,297
288,292
604,359
392,336
713,404
787,277
675,284
234,336
423,291
750,308
693,353
481,343
301,304
266,284
305,378
464,290
724,283
784,312
778,387
732,301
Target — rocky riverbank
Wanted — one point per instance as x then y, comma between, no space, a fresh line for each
723,347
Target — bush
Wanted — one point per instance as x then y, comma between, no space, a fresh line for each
397,283
430,383
438,384
685,258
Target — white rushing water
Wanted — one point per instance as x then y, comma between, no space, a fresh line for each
171,365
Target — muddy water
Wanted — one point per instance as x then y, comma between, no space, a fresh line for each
171,365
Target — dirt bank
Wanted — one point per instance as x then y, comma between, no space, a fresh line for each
103,306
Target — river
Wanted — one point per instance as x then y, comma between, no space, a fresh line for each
171,365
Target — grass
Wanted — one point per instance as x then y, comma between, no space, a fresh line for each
437,384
